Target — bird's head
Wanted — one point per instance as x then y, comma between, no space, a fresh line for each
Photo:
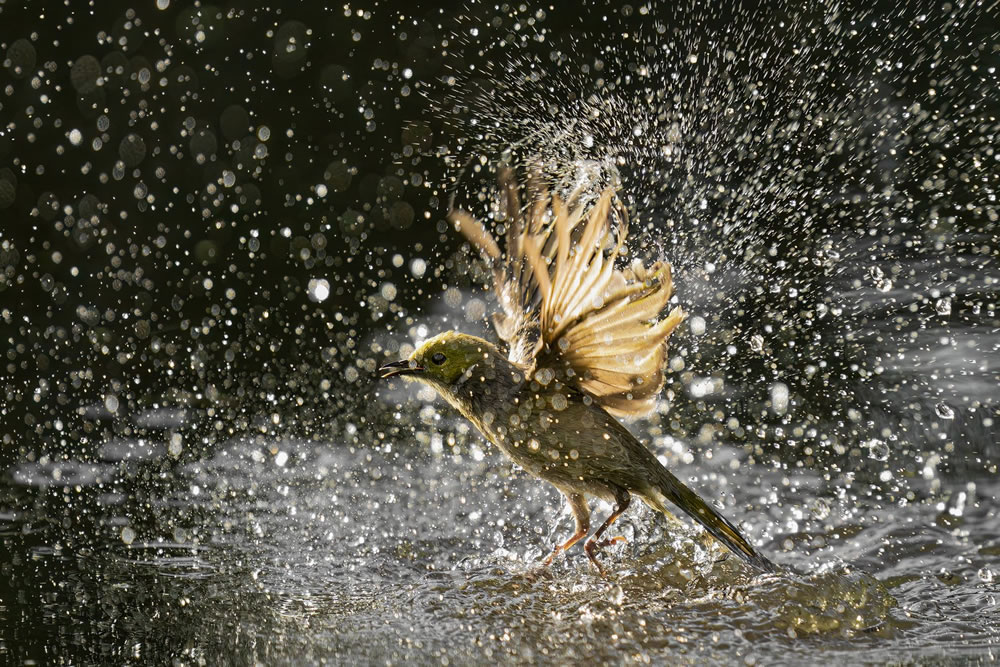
468,372
443,360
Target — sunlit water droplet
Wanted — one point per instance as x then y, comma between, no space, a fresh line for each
779,397
878,277
877,449
944,411
318,289
176,444
544,376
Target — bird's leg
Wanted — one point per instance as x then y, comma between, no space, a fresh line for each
581,512
622,500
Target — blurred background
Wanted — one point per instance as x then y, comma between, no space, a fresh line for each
216,221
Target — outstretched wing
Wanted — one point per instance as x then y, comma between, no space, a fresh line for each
567,311
518,292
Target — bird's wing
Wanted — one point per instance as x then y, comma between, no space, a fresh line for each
518,291
566,308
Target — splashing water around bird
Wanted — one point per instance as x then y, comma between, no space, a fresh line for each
585,341
224,218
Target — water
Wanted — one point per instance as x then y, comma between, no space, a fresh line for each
289,551
219,222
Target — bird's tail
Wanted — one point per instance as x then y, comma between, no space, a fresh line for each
718,526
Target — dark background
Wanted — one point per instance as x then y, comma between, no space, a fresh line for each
170,265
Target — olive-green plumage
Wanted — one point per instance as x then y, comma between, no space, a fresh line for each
585,342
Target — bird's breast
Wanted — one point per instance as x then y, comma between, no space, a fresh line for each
550,434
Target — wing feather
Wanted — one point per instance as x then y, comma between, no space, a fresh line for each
476,234
565,306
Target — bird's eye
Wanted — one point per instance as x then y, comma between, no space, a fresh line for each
438,358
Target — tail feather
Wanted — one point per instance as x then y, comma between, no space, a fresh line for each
717,525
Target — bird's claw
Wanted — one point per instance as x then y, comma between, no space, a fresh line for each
592,546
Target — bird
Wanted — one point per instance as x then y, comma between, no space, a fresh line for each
583,343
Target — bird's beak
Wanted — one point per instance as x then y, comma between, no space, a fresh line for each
401,367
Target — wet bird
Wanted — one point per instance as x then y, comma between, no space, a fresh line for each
585,344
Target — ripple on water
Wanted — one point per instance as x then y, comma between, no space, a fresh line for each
180,560
162,418
61,473
130,450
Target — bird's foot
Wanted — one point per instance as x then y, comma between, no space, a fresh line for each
592,547
613,540
581,532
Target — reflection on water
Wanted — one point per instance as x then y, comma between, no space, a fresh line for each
293,551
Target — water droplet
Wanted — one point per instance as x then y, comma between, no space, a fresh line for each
544,376
944,411
318,289
877,449
878,277
779,397
175,446
821,509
